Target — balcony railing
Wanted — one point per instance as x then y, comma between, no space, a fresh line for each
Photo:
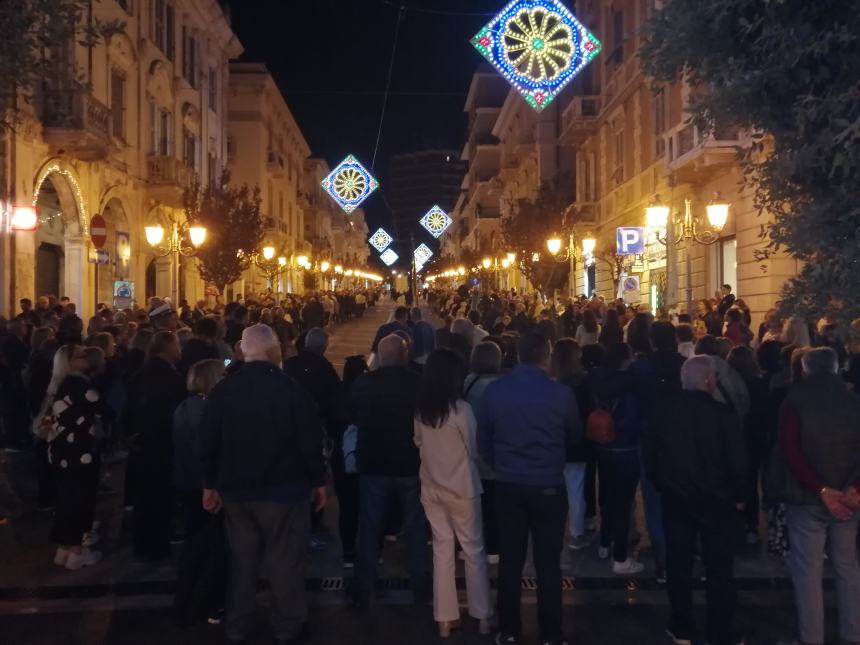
692,155
579,119
168,178
76,123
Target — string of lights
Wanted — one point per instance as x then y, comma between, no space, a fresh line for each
438,12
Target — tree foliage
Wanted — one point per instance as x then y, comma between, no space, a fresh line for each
34,31
788,69
235,228
532,223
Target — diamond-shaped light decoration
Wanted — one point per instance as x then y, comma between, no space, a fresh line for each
350,184
423,254
381,240
389,257
436,221
538,46
418,268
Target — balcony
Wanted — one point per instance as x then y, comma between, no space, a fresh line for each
275,163
583,213
76,124
579,119
695,158
168,178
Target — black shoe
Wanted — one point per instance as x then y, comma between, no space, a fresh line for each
736,639
298,639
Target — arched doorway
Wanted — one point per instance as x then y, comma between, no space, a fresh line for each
118,246
59,248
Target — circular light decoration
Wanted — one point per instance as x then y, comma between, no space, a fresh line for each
538,46
423,255
350,184
436,221
380,240
389,257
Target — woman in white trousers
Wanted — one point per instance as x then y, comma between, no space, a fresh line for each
445,433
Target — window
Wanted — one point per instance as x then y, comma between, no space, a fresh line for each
164,27
170,35
729,262
189,58
213,89
617,54
158,28
160,130
165,141
117,104
126,5
587,194
658,111
212,168
189,147
618,174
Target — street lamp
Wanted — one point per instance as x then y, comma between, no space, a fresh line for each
175,246
691,229
24,219
554,246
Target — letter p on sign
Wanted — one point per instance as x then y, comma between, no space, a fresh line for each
630,240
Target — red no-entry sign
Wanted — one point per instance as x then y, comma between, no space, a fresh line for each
98,231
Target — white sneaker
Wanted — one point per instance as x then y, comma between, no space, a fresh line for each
493,558
61,556
91,539
628,567
85,558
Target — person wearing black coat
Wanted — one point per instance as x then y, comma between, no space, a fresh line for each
155,394
202,346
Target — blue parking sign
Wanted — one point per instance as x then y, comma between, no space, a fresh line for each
630,240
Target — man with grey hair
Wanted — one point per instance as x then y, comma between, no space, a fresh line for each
694,453
382,407
314,372
820,445
262,461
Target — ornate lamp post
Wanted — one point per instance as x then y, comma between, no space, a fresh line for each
271,267
691,229
175,246
554,246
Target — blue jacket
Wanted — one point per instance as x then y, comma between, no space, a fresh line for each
528,422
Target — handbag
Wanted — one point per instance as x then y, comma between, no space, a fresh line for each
349,445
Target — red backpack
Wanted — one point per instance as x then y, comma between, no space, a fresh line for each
600,427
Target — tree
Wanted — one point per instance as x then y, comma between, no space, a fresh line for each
531,224
34,34
235,227
787,71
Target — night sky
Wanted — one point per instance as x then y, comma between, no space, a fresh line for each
330,59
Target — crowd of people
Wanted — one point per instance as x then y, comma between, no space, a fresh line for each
517,422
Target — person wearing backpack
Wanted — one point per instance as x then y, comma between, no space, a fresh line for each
613,426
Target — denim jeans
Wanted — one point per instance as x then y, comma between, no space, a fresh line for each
653,518
810,528
619,472
375,491
541,512
574,479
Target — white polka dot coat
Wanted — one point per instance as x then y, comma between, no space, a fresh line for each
72,440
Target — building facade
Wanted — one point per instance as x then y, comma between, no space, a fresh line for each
267,149
153,118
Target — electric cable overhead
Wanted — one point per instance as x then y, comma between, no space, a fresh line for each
388,84
438,12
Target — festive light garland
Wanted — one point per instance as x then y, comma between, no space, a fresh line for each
436,221
380,240
538,46
350,184
389,257
83,221
423,255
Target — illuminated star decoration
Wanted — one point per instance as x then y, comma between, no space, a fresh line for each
350,184
538,46
436,221
381,240
422,255
389,257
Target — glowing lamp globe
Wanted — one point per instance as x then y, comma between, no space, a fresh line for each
197,235
512,257
154,235
506,263
302,260
338,268
486,263
588,245
461,270
24,218
656,215
553,245
718,214
325,266
282,261
268,253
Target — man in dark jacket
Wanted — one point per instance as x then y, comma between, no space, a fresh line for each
313,371
262,455
201,346
382,407
313,314
695,454
820,445
528,423
400,323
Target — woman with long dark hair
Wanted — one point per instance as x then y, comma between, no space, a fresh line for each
639,333
612,332
445,433
589,331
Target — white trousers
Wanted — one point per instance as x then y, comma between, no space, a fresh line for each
457,519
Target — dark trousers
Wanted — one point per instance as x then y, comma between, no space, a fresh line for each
714,526
46,476
591,486
488,515
275,535
153,507
76,504
376,492
619,475
540,512
346,489
201,574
